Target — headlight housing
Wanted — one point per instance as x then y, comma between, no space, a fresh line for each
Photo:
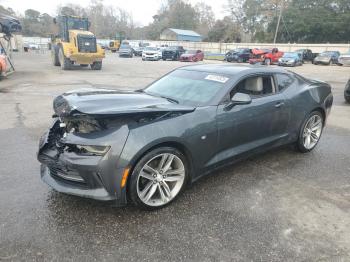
92,150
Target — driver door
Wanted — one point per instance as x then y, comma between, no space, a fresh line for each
243,128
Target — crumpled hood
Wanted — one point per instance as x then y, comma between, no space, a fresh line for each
112,102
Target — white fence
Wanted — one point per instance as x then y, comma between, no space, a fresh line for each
219,48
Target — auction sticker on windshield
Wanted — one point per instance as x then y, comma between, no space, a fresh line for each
217,78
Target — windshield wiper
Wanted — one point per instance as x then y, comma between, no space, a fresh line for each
157,95
170,99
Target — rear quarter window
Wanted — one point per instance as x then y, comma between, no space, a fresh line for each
284,81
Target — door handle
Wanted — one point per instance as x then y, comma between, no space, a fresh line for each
279,104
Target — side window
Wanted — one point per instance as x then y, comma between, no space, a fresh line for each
284,81
255,86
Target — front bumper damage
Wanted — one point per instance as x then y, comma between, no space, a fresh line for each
92,176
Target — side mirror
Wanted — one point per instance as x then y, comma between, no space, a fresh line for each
239,99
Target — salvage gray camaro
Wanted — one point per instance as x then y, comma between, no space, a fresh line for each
145,146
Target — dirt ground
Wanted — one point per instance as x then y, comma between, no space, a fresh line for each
279,206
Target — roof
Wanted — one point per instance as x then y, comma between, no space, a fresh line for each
229,69
184,32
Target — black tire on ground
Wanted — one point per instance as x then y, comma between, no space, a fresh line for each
96,65
133,179
64,61
163,59
347,98
54,55
300,143
113,51
267,61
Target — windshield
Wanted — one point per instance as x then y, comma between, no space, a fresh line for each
78,24
125,47
188,87
151,48
172,47
326,54
191,52
238,50
290,55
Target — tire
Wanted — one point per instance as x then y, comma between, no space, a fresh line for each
64,61
347,98
306,140
54,55
114,51
267,62
96,65
163,59
140,187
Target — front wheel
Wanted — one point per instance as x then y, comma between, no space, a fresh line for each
158,178
96,65
310,132
54,55
64,61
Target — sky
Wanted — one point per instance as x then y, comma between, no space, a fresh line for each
141,10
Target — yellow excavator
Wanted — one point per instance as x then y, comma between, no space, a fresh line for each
75,44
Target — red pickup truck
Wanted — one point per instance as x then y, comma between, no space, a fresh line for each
265,56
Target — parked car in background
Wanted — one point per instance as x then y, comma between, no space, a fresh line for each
192,56
344,59
347,92
290,59
239,55
327,58
173,52
2,65
125,50
137,50
145,146
151,53
265,56
306,55
33,46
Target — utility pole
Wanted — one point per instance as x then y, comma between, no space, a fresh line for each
278,22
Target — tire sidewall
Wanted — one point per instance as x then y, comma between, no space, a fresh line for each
300,143
132,183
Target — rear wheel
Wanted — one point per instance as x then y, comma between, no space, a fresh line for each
54,56
96,65
64,61
267,62
310,132
158,178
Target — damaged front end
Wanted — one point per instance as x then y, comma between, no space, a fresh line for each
79,156
80,153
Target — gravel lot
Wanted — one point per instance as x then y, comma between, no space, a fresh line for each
279,206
